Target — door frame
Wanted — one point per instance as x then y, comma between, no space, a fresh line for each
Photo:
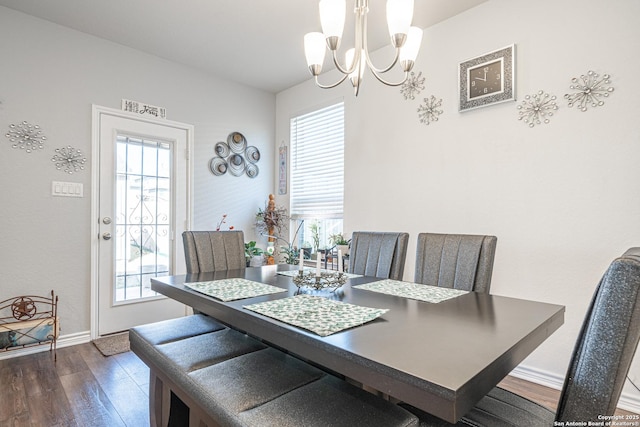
96,112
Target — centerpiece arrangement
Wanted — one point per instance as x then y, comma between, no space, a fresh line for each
325,280
319,279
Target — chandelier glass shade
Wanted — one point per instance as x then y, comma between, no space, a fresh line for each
404,38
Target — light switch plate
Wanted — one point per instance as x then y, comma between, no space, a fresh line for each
66,189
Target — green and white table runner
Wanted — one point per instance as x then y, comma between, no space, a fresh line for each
233,289
427,293
317,314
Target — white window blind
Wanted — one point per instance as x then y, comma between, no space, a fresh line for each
317,163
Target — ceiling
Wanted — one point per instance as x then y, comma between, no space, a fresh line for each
253,42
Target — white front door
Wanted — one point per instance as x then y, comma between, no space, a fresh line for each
141,208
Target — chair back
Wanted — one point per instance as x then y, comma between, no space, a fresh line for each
207,251
378,254
606,344
459,261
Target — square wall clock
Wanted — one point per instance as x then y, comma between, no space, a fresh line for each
487,79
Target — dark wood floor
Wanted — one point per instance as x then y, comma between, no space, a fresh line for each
83,388
86,389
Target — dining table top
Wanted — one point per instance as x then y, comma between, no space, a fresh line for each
440,357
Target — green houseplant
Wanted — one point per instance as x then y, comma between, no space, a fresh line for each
340,242
253,254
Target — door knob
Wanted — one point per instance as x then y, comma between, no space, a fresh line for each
106,236
106,220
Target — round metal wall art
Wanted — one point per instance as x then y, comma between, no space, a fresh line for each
235,156
252,154
591,89
236,164
26,137
237,142
252,170
222,149
429,111
537,108
69,159
218,166
412,86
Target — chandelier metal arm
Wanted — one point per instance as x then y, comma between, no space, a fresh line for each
368,58
331,86
340,68
388,83
381,70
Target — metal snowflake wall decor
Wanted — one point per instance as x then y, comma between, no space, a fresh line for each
413,86
26,137
429,111
537,109
590,90
69,159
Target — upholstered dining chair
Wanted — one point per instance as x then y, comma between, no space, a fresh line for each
601,358
459,261
378,254
206,251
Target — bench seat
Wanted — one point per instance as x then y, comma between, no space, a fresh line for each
212,375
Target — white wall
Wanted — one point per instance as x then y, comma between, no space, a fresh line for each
51,76
562,198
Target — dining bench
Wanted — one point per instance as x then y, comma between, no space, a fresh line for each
205,374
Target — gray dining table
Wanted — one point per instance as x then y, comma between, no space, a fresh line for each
439,357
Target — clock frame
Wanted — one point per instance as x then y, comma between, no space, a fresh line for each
487,79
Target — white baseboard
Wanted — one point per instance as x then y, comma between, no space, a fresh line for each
628,401
63,341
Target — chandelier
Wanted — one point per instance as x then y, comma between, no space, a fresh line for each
404,38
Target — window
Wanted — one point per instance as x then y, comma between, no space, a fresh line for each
317,174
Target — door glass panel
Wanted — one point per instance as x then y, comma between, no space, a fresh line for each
143,216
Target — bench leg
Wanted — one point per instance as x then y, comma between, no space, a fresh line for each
159,401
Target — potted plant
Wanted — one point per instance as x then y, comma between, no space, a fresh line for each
315,235
253,254
340,243
307,248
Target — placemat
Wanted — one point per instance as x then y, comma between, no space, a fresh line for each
427,293
233,289
317,314
292,273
